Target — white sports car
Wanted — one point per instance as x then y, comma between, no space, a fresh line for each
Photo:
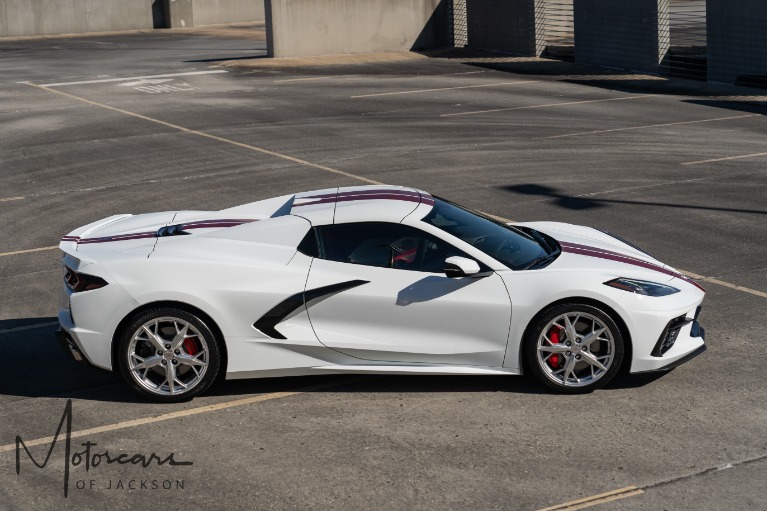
374,279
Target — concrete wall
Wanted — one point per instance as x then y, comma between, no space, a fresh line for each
513,26
214,12
43,17
632,34
195,13
737,39
298,28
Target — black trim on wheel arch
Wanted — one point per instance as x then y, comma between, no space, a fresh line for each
674,365
266,324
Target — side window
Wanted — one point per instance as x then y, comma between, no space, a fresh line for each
384,245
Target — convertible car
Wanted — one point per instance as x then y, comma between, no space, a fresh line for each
373,279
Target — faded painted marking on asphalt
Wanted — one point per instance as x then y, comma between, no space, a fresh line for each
211,137
108,80
754,155
28,251
601,498
28,327
501,84
8,199
181,413
718,282
332,77
548,105
653,126
313,78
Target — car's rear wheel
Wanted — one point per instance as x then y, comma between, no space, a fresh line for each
168,354
574,348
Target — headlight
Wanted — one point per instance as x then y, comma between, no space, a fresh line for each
642,287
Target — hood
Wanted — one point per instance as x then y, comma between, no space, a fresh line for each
586,248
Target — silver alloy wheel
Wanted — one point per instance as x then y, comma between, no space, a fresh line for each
575,349
168,356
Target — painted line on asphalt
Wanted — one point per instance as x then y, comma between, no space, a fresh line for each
181,413
330,77
754,155
108,80
501,84
718,282
653,126
548,105
8,199
211,137
27,251
593,500
313,78
28,327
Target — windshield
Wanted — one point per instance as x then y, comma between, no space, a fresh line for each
516,247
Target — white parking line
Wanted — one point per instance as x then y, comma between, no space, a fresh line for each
28,327
209,136
108,80
754,155
313,78
28,251
477,112
653,126
718,282
501,84
182,413
622,493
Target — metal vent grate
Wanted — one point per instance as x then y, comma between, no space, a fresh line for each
460,28
559,30
686,56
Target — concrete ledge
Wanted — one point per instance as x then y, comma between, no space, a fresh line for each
299,28
216,12
43,17
324,60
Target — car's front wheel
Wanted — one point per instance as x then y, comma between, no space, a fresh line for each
168,354
574,348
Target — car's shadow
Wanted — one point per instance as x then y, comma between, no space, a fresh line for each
36,366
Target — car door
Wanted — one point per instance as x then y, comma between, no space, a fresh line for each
378,292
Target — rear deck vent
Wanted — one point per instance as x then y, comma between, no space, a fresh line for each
171,230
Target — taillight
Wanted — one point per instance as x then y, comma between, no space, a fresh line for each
82,281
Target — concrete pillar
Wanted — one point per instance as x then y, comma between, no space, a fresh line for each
180,13
737,40
297,28
512,26
628,34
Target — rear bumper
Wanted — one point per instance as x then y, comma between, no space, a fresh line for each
70,347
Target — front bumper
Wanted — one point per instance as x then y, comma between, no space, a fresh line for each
682,339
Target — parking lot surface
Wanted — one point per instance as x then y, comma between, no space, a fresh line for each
143,122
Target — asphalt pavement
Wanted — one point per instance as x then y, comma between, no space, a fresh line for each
152,121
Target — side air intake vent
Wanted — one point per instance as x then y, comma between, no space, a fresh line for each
171,230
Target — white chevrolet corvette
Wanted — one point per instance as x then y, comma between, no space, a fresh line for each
374,279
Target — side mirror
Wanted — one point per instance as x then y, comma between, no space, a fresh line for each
457,266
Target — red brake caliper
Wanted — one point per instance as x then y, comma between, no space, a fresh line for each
190,346
554,337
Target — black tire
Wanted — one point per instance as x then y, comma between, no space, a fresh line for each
190,357
578,362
